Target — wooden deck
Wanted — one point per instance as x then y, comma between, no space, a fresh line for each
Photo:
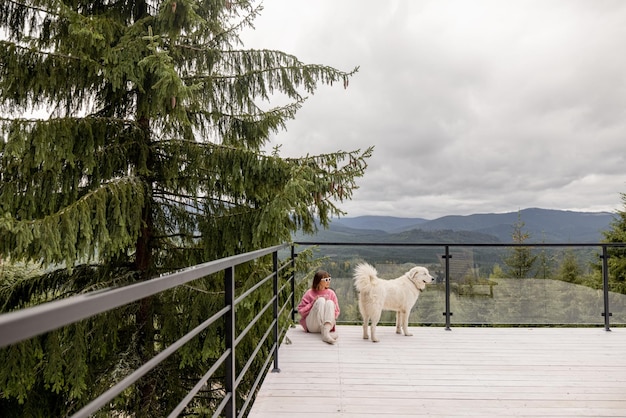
464,372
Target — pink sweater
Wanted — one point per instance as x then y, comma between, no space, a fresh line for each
307,303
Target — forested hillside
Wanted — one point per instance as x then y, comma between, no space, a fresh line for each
543,225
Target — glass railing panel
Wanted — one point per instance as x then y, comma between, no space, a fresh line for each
482,289
617,308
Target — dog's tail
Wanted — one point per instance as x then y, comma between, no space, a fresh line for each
364,276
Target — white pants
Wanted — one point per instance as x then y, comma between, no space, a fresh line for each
322,312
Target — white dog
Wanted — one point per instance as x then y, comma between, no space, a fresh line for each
376,295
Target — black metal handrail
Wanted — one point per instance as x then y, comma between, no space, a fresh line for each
30,322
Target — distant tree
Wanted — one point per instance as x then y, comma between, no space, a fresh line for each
617,255
569,269
144,154
497,272
545,264
520,260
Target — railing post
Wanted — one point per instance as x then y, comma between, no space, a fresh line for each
293,284
605,287
229,338
275,267
447,313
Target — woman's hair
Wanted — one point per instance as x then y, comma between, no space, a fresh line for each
319,275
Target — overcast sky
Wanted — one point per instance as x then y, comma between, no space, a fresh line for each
472,106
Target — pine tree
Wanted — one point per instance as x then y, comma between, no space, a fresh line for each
144,154
497,272
520,260
569,269
616,255
545,263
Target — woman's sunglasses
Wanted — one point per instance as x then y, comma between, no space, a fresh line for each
326,279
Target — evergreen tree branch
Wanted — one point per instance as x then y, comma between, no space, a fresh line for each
29,6
158,165
28,52
56,238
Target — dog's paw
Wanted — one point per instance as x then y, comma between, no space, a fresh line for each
375,340
398,331
408,334
366,337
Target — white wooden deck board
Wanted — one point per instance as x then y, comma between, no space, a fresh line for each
464,372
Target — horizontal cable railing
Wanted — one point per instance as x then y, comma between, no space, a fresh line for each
31,322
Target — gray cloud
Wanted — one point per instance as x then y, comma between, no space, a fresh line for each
472,106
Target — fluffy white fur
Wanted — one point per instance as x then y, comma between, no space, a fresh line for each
376,295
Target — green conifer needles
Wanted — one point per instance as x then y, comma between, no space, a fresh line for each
132,142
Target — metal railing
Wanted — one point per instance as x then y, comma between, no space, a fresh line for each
27,323
445,249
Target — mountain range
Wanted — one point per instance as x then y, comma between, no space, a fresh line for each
542,225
